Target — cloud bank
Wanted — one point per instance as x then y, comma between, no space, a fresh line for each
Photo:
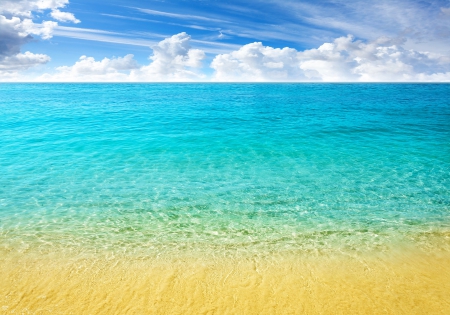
344,59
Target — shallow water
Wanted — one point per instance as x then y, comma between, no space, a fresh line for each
118,172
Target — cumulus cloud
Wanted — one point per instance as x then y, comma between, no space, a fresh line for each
17,29
22,61
24,8
255,62
344,59
10,66
173,60
384,59
14,33
88,70
64,16
10,39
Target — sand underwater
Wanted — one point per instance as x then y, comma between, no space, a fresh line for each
224,199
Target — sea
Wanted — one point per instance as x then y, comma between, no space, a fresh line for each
149,168
218,170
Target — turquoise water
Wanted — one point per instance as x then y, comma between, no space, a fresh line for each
150,168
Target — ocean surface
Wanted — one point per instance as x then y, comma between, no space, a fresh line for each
152,169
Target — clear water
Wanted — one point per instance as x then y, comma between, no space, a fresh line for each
151,168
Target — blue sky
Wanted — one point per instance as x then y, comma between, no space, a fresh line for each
410,37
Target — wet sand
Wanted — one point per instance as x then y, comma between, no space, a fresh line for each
407,282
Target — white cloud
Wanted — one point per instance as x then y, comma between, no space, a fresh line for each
384,59
173,60
64,16
22,61
86,69
11,66
17,28
44,29
14,33
255,62
345,59
24,8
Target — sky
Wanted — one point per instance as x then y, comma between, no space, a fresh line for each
218,41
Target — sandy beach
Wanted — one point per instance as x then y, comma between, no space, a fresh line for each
398,283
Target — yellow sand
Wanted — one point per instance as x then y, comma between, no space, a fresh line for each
406,283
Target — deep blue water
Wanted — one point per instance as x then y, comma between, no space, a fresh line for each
152,167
